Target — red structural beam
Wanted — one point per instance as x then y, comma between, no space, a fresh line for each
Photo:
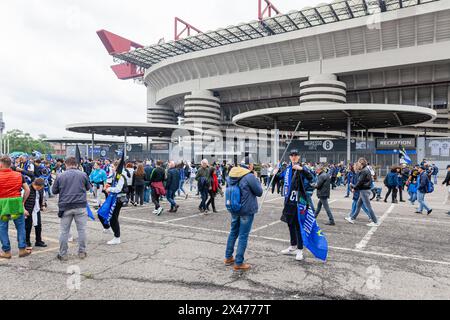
188,28
115,44
267,10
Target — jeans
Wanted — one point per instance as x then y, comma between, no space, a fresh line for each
98,190
435,180
240,228
412,197
21,238
354,205
191,183
181,188
147,192
204,194
80,217
422,203
364,199
324,201
170,197
348,190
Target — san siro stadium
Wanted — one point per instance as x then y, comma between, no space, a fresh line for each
362,74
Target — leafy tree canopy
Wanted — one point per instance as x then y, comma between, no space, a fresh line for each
20,141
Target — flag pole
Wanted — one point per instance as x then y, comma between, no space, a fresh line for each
278,167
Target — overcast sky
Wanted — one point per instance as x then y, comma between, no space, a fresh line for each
55,70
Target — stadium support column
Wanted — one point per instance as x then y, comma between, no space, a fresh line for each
158,113
125,144
349,140
202,111
276,143
93,142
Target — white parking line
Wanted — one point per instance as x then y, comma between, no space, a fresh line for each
380,254
363,243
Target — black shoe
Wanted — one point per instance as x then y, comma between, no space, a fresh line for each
429,212
402,201
385,201
330,223
40,244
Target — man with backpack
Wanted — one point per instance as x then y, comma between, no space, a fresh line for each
243,189
434,173
424,186
203,178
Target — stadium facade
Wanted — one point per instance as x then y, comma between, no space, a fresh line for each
377,52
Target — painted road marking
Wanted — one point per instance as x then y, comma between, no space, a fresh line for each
363,243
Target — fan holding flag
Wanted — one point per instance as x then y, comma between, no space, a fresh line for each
404,158
108,213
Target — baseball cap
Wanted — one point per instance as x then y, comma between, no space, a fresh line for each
294,152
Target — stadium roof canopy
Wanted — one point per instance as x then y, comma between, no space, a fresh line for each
146,57
81,140
129,129
334,117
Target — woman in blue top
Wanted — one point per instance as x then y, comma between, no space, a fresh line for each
98,179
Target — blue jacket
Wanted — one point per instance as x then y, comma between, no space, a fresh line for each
98,176
250,190
424,180
173,179
391,180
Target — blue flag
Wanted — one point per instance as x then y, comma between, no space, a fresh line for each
404,157
107,209
312,235
89,212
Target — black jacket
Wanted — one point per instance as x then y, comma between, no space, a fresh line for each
31,201
364,180
323,185
447,179
138,181
158,175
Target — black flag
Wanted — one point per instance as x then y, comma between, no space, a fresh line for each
78,155
120,167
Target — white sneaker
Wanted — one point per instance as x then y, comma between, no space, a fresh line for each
155,211
114,241
373,225
299,256
107,231
159,211
350,220
289,251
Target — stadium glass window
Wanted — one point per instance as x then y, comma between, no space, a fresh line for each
440,97
378,97
393,96
364,97
409,97
424,97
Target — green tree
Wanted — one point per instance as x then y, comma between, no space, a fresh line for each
20,141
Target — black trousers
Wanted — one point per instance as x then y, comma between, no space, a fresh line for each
139,195
394,194
211,201
37,229
294,232
131,193
400,193
155,199
114,222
